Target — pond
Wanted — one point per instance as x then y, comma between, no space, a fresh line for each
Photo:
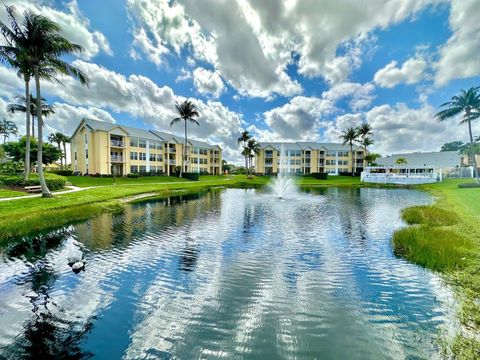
229,273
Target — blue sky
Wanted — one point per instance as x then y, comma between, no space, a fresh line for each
293,70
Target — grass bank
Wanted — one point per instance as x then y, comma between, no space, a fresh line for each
445,237
7,193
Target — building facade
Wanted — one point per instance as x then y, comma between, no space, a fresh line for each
308,157
99,147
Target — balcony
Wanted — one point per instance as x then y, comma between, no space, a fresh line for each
308,156
172,150
172,162
117,143
116,158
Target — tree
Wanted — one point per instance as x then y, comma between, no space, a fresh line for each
243,139
57,139
16,150
7,128
466,104
364,131
188,112
41,47
401,161
349,136
253,149
65,140
21,106
370,158
452,146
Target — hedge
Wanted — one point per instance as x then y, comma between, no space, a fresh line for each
54,182
191,176
61,172
320,176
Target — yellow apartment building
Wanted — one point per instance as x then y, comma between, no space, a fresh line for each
98,147
308,157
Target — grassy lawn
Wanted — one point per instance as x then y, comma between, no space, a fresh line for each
445,237
87,181
7,193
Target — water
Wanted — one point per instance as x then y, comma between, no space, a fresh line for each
227,274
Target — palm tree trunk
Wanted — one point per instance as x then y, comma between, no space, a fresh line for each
64,155
33,126
472,151
26,171
41,176
353,161
185,147
61,156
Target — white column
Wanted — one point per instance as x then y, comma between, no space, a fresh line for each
147,150
336,162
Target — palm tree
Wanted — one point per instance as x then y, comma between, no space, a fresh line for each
46,47
253,149
15,53
365,143
188,112
57,139
467,104
244,137
349,136
7,128
401,161
65,140
20,106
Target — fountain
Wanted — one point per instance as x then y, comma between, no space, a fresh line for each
283,186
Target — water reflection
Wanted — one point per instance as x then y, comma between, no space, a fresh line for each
233,273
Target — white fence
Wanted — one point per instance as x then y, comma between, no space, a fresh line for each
400,179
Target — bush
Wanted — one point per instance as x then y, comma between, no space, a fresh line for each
62,172
319,176
133,175
54,182
11,167
469,185
191,176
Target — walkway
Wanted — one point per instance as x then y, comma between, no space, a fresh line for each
76,188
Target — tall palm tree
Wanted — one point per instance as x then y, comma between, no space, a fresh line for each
65,140
467,103
243,139
21,106
349,136
15,53
365,143
57,138
7,128
188,112
46,48
253,149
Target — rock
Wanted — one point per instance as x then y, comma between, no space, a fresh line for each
78,266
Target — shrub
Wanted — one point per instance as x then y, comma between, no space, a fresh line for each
133,175
319,176
11,167
62,172
191,176
468,185
54,182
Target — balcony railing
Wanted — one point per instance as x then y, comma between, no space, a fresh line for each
308,156
172,162
117,143
116,158
172,150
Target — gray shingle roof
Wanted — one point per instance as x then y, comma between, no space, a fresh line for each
144,134
306,145
441,159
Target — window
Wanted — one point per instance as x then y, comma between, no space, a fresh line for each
142,143
134,169
86,153
142,156
343,153
331,153
159,157
133,155
152,157
158,146
194,160
151,144
86,138
143,169
268,153
75,155
134,142
331,162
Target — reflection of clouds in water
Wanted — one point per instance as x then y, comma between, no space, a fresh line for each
240,273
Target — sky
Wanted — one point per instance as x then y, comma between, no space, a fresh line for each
289,70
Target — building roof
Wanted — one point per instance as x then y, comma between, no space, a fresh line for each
142,133
440,159
306,145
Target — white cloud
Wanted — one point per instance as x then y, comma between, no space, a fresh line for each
299,119
208,82
460,56
251,43
360,95
75,26
412,71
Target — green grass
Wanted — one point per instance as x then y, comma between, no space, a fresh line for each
7,193
445,237
87,181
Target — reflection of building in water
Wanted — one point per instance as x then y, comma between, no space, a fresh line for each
96,233
189,255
